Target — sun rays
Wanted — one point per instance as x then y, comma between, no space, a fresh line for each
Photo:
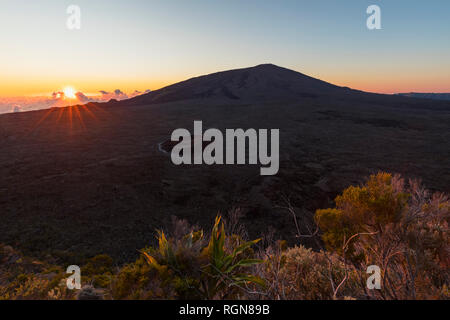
71,118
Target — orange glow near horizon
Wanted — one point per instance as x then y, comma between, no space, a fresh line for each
386,87
377,82
34,85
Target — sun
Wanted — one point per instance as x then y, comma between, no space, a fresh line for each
69,92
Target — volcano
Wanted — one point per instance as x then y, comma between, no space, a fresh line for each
261,83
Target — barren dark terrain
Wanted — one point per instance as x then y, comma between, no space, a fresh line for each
84,180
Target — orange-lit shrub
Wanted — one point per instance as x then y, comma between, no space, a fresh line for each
400,227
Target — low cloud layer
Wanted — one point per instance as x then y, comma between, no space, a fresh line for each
58,99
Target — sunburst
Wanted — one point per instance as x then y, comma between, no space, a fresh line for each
69,93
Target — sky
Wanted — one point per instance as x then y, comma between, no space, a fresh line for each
139,45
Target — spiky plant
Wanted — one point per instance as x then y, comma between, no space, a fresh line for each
205,270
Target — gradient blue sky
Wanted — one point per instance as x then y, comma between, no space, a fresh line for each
148,44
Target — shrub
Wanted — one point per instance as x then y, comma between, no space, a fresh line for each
23,278
299,273
402,228
98,271
138,281
366,209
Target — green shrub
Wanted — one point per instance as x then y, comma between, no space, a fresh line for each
400,227
98,271
365,209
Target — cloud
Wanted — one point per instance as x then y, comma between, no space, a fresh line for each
82,97
58,95
116,94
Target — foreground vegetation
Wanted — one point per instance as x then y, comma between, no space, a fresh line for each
396,225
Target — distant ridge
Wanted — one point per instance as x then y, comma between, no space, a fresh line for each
434,96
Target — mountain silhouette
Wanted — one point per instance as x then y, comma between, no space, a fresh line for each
262,84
